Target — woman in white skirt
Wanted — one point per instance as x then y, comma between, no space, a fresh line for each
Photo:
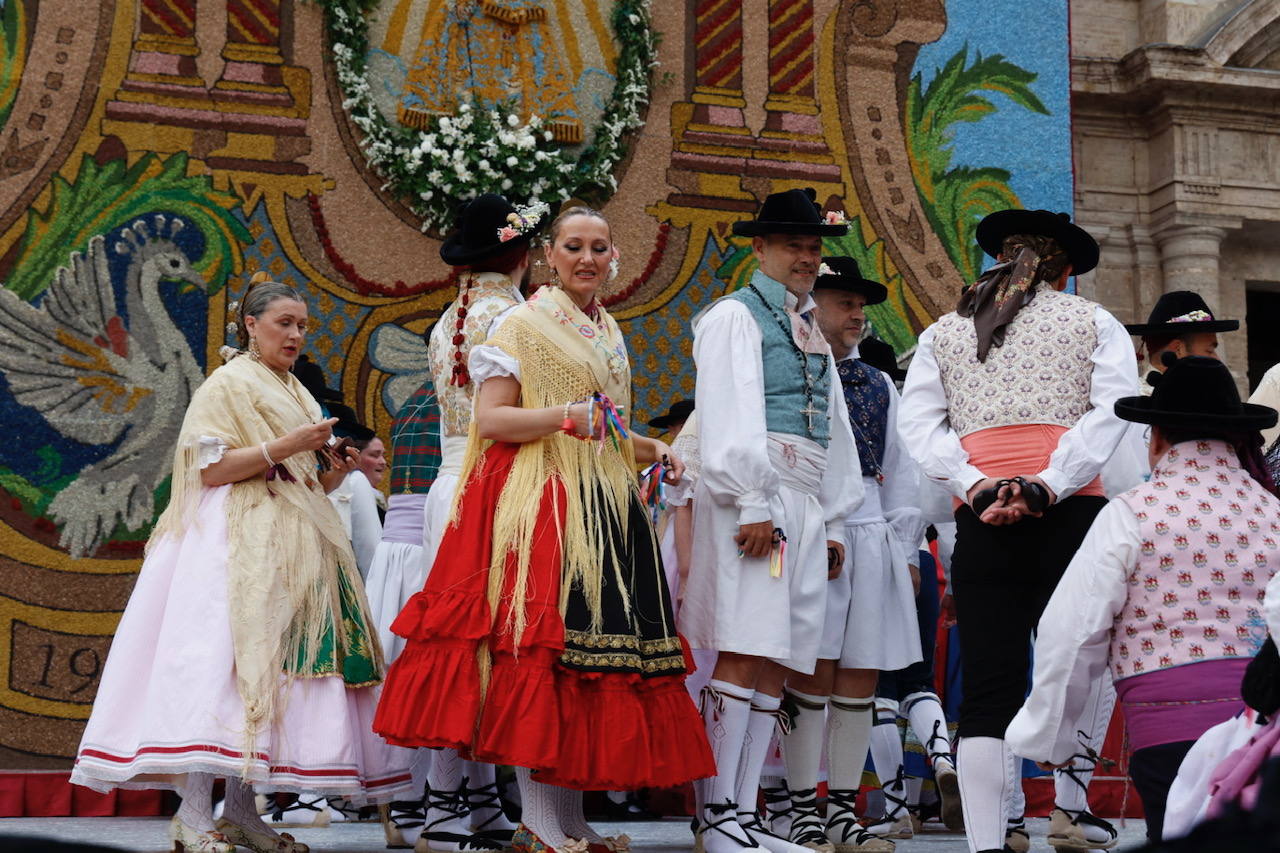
245,651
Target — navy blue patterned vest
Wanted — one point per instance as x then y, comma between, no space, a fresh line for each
867,397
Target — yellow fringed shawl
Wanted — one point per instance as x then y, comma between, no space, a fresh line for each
564,356
286,546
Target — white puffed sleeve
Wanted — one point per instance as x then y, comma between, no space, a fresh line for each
1085,449
366,528
925,428
486,362
729,399
900,492
1074,637
211,450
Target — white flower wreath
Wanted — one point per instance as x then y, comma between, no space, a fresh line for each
488,148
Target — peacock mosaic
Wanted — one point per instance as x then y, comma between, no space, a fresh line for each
156,153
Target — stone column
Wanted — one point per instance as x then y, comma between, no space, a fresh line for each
1190,261
792,110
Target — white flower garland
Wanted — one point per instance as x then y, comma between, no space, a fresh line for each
483,149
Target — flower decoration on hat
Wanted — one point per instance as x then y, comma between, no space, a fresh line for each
836,217
523,220
1192,317
824,269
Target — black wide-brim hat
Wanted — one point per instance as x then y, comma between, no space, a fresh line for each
1081,249
679,411
476,236
881,356
790,212
1165,317
849,278
1196,392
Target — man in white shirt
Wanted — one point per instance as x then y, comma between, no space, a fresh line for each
1008,405
777,483
871,620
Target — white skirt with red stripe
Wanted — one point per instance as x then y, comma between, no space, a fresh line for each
168,705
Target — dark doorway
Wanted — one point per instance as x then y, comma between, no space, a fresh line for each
1262,314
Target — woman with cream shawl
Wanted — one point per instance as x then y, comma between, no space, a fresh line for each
245,650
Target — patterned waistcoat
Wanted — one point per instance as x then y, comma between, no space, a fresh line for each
1041,374
784,397
867,396
489,296
1209,536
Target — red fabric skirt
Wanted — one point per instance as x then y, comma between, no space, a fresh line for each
576,728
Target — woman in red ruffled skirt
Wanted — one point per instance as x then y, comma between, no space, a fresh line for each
544,637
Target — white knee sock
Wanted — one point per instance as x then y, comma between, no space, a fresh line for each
924,713
755,749
1017,801
572,820
241,809
886,757
541,809
984,790
1071,785
420,769
726,712
802,746
848,739
196,810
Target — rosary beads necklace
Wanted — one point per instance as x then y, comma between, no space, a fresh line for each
808,411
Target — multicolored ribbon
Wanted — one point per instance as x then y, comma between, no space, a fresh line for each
778,553
653,490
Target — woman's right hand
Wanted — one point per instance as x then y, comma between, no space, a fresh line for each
580,414
311,436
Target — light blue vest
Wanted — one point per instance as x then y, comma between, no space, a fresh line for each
784,396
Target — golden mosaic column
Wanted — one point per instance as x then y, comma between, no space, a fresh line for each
253,74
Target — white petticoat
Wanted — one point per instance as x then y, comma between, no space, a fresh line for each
167,703
871,620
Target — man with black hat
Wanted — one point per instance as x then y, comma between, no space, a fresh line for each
1166,588
1180,323
778,481
489,252
870,621
1008,404
674,419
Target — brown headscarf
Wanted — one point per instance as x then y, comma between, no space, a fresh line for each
1003,290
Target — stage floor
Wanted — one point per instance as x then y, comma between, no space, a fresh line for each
665,836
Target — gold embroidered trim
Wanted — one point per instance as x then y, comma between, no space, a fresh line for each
660,646
622,660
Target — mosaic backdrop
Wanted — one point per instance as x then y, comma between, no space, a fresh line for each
156,153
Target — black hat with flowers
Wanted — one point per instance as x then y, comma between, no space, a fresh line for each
792,212
840,273
1197,392
1181,312
488,225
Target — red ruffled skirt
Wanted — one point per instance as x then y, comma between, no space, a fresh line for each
602,712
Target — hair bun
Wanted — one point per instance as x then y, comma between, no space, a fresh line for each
259,277
1168,358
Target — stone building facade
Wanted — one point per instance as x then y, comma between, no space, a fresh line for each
1176,136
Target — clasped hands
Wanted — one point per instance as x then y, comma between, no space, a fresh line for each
1012,502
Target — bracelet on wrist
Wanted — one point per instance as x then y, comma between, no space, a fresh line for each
271,463
567,424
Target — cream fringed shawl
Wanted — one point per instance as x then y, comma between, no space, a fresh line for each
564,356
286,546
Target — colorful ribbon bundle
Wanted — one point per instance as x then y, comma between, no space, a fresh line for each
777,553
611,425
653,491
